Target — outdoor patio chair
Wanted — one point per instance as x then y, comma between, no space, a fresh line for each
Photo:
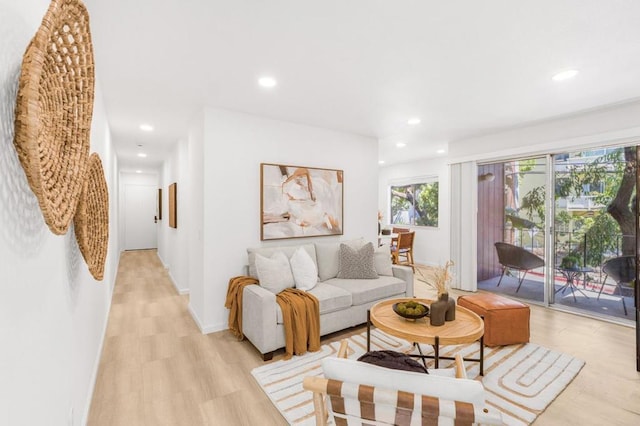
623,271
514,257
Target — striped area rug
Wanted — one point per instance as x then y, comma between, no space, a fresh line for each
520,380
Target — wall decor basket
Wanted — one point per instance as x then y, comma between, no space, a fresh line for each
54,109
91,221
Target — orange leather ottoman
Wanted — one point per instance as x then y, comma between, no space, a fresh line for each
506,321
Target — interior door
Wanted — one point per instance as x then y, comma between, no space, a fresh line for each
139,217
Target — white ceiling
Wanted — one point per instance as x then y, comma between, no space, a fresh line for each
465,67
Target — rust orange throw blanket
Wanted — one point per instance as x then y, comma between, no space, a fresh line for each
301,317
234,302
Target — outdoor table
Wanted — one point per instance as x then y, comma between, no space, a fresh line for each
571,274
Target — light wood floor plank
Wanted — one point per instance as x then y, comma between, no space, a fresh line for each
158,369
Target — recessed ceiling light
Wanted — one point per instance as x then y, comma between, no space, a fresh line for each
565,75
138,171
146,127
381,162
142,155
413,121
267,82
401,144
441,151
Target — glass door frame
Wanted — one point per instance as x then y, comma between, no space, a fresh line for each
549,225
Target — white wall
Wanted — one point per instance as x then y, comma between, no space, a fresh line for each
234,145
52,312
194,223
612,126
172,241
431,245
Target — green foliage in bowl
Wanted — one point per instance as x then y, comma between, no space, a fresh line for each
411,309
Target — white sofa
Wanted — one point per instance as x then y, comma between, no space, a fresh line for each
343,302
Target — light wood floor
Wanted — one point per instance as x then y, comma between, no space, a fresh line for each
158,369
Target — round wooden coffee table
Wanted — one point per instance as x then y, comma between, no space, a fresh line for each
468,327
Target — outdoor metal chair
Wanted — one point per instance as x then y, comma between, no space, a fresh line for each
623,271
514,257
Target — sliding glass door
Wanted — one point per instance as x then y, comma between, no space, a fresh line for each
565,228
595,230
511,212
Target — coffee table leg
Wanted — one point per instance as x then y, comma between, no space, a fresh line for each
424,358
368,330
436,349
482,355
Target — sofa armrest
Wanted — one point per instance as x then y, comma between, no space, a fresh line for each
405,273
259,317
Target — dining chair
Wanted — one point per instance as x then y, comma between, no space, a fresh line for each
396,230
623,271
402,251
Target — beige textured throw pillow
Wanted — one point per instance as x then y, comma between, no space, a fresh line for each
357,263
274,273
305,273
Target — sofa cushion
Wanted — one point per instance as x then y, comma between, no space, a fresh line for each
328,257
330,298
274,272
357,263
352,371
269,251
364,291
382,259
305,272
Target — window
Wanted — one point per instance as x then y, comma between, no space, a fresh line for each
415,203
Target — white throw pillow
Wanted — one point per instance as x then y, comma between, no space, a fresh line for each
349,370
304,270
383,260
274,273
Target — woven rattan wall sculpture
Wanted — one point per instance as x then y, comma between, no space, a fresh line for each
54,109
91,221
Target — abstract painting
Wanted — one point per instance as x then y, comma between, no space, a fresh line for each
298,201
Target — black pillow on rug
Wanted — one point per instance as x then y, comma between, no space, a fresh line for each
394,360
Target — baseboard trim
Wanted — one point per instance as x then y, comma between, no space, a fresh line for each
204,329
178,289
96,364
181,291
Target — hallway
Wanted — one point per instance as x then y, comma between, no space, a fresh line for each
157,368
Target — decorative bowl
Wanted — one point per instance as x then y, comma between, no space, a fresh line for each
410,316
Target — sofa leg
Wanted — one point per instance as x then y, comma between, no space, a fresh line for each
268,356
